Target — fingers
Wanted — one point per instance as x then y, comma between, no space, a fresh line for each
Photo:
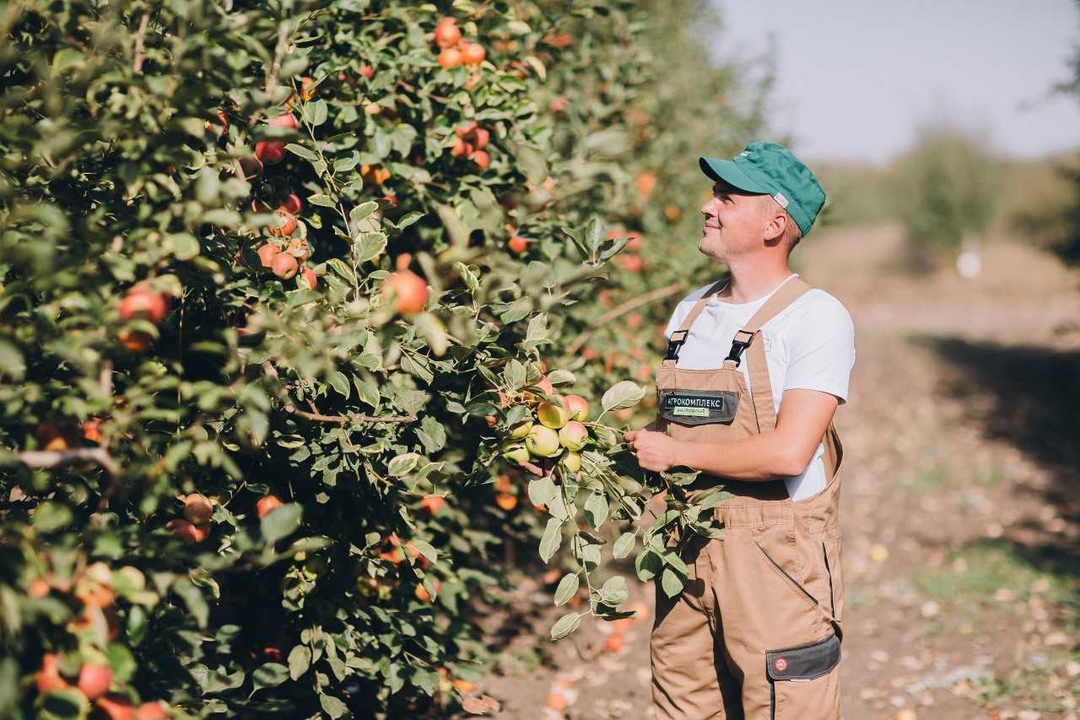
630,435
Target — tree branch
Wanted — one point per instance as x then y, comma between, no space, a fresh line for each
56,458
140,49
626,307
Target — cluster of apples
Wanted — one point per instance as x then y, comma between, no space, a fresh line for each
554,429
194,527
141,302
95,588
284,253
267,152
470,143
454,50
93,681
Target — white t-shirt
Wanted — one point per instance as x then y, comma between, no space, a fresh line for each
809,345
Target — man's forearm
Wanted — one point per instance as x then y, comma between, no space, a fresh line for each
758,457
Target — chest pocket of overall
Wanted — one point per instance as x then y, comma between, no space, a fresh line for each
692,408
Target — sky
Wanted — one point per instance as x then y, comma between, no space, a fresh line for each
855,78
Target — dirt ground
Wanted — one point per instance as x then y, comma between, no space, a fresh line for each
960,514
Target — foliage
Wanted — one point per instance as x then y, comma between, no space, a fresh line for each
945,187
259,301
1067,244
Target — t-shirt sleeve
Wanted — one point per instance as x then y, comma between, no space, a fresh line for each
822,351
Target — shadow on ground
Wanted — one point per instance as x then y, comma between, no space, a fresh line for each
1029,397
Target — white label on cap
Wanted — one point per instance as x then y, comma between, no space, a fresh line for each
745,153
779,197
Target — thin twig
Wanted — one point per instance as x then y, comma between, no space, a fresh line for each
56,458
140,49
105,379
342,419
626,307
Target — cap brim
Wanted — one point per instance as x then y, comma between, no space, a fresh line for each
728,171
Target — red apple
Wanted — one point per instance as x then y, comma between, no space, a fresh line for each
198,509
94,680
284,266
270,152
285,120
143,305
266,505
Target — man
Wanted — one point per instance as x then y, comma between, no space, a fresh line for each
755,369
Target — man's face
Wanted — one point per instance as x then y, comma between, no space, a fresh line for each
734,223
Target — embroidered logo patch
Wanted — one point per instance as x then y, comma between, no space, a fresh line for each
698,407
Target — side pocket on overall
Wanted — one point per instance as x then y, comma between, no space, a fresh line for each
804,682
831,549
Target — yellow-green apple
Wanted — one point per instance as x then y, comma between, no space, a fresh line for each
542,441
573,435
552,414
578,407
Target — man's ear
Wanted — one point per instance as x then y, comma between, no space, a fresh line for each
776,227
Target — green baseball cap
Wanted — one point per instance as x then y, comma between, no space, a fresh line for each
766,168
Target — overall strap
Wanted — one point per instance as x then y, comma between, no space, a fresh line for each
679,336
760,385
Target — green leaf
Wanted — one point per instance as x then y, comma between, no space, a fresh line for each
339,382
281,522
369,246
624,545
193,598
426,549
269,675
466,273
66,703
551,540
568,586
51,516
402,464
542,491
299,661
455,226
12,363
622,394
560,377
596,509
322,200
185,246
614,592
671,582
333,707
362,211
647,564
315,112
565,625
121,661
301,152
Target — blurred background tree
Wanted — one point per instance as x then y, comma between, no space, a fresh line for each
945,190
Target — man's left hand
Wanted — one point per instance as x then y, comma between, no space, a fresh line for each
654,450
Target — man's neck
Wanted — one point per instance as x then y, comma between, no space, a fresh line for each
753,283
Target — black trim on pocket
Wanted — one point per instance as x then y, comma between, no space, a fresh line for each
829,573
794,583
803,662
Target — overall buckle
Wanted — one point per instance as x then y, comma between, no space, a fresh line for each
738,346
674,345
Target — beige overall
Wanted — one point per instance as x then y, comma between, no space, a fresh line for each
756,631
